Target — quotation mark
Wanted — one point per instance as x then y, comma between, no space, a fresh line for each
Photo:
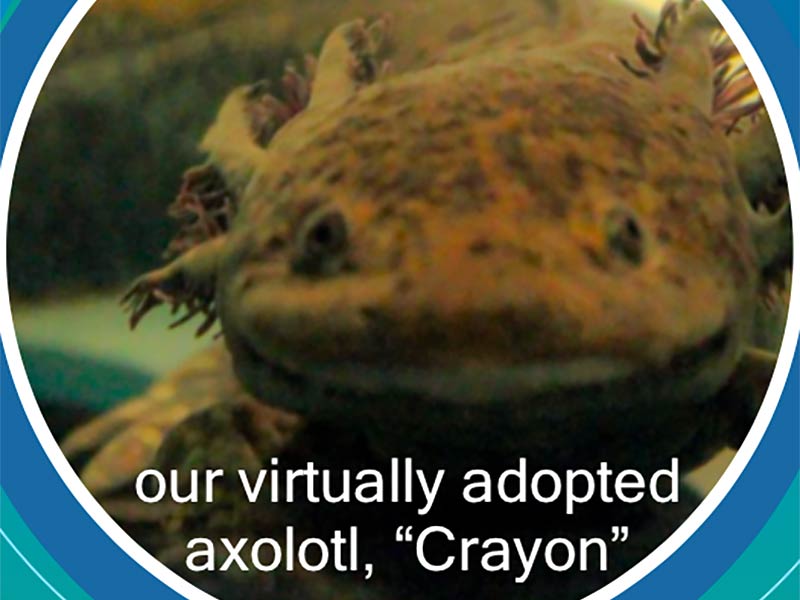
403,534
619,534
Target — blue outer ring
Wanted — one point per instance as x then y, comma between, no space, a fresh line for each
103,570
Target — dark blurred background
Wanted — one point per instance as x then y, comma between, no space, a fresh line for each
116,124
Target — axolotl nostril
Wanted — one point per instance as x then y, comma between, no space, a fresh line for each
520,249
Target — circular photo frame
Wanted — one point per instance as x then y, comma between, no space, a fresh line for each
59,540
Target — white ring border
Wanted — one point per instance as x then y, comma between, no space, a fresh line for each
183,587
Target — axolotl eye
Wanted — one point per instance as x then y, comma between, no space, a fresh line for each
321,243
624,235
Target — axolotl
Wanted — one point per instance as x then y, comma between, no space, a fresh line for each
521,244
550,252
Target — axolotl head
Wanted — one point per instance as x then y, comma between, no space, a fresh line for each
491,249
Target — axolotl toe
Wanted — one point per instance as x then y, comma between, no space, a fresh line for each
538,251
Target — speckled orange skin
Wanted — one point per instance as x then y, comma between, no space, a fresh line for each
477,197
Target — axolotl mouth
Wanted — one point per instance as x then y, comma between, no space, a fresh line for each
483,384
466,407
461,388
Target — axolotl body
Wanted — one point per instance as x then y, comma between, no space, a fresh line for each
511,247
